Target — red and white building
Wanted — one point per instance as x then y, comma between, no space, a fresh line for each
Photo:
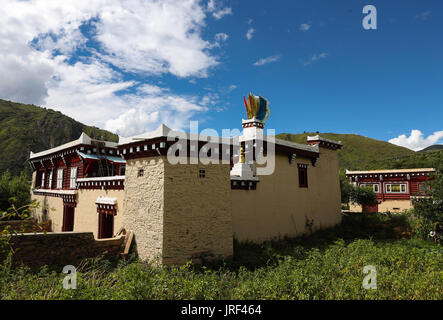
394,188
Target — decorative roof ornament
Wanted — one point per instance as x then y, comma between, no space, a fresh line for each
257,107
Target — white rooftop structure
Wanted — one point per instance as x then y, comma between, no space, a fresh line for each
83,139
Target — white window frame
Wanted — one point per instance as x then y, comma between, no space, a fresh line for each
395,184
372,185
73,178
50,179
42,182
60,179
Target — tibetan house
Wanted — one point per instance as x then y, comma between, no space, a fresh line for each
394,188
180,210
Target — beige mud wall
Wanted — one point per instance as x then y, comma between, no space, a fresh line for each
387,205
50,208
197,216
279,207
144,205
85,216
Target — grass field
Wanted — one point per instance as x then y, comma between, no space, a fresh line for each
325,265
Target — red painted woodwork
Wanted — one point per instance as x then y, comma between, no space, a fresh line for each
105,225
411,179
68,218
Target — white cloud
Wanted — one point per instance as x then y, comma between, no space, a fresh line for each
217,11
305,27
417,141
250,33
39,64
219,38
423,15
315,57
267,60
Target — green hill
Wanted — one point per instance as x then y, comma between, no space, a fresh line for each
360,153
435,147
27,127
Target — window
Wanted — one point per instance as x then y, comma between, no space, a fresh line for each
73,178
202,173
302,175
141,173
42,184
50,180
374,187
59,178
396,188
122,170
423,187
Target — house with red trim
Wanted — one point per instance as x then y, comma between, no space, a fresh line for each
395,188
182,195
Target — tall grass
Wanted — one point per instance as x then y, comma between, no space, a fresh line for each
326,265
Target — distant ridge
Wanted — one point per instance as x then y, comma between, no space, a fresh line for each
358,152
434,147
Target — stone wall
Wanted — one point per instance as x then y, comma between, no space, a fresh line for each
53,248
176,215
25,226
144,205
198,217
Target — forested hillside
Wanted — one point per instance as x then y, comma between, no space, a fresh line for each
27,127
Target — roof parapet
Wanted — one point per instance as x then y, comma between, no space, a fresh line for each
323,142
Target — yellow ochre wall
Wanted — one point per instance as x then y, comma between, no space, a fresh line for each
85,216
279,207
198,216
387,205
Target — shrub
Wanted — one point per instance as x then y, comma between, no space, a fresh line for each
363,196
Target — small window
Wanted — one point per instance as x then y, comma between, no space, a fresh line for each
42,182
73,178
423,187
59,178
50,180
122,170
141,173
374,187
396,188
202,173
303,175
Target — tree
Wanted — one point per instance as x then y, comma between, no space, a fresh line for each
345,188
363,196
429,207
14,190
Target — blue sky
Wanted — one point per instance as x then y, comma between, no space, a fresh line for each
125,69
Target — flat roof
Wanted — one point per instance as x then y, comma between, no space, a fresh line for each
83,139
392,171
164,131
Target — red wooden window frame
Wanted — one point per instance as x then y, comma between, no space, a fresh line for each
302,175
